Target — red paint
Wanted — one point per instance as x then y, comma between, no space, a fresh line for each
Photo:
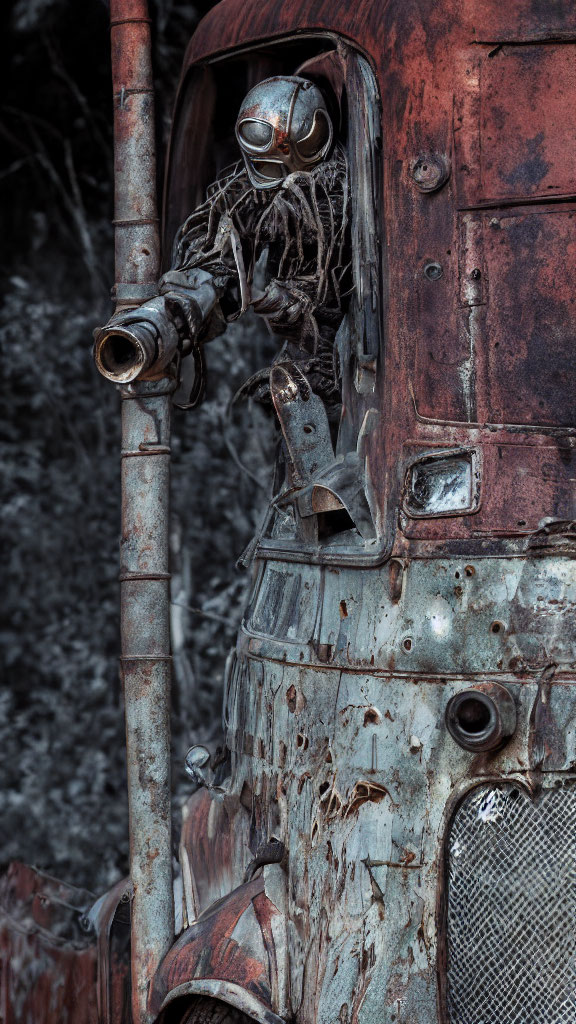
40,969
468,358
207,950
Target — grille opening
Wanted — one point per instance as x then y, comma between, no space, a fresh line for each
511,904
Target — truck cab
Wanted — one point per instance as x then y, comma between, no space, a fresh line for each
394,835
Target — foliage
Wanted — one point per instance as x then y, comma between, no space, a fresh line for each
62,777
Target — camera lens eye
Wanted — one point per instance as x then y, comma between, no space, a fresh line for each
255,133
318,136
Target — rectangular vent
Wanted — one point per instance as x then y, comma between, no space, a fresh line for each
511,925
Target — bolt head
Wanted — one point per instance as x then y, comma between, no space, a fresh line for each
196,759
430,171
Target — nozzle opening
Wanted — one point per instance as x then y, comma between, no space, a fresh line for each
120,357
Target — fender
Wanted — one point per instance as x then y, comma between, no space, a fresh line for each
232,953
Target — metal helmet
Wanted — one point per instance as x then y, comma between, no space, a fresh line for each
283,126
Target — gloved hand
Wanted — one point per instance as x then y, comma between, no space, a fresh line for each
189,297
282,306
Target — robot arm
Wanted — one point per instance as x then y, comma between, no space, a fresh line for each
145,340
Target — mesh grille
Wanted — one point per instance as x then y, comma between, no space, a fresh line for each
512,908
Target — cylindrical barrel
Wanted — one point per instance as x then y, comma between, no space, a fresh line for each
146,667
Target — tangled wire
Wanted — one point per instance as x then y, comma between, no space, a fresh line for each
300,231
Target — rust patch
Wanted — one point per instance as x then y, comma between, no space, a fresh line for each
48,963
207,950
364,792
372,716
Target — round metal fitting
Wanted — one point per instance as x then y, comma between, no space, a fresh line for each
433,271
197,759
481,719
430,171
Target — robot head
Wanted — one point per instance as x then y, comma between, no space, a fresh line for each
283,126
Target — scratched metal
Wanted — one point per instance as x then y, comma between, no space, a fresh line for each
438,616
137,248
231,952
357,773
146,672
146,667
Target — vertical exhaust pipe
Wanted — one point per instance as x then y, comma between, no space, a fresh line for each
144,575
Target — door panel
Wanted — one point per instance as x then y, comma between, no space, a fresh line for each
527,373
514,124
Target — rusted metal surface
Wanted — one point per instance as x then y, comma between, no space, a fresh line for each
47,960
459,419
137,249
230,953
146,673
110,918
146,665
214,850
53,945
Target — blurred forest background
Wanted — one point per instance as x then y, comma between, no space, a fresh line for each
62,769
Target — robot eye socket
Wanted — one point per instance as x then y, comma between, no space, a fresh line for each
318,138
255,134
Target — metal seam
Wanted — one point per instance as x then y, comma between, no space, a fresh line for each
131,21
145,657
128,454
136,220
133,92
127,576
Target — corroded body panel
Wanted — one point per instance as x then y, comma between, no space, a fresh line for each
353,647
62,958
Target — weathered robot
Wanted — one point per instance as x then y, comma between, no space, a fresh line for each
391,836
